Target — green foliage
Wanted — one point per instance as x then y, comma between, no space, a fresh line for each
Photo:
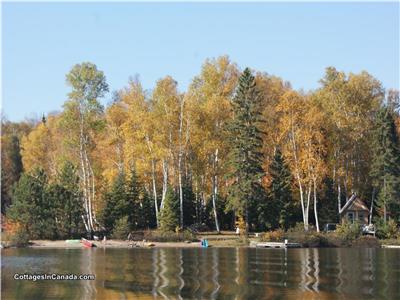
385,167
147,218
67,200
169,215
280,209
20,238
11,169
189,208
170,236
121,229
349,231
388,230
328,206
116,203
246,193
32,207
311,238
133,205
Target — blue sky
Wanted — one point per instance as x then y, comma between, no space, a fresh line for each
296,41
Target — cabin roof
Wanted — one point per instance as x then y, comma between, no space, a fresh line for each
354,203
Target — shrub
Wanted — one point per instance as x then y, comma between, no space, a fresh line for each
312,238
273,236
391,241
366,241
348,231
19,238
386,231
298,234
198,227
121,229
170,236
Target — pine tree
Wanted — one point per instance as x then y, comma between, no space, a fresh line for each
385,167
280,206
246,193
169,215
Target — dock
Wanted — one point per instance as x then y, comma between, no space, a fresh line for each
275,245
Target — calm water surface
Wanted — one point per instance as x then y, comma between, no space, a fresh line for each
213,273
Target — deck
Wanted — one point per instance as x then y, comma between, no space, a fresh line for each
275,245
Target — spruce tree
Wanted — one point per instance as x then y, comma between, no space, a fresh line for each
32,207
327,206
280,206
169,215
189,208
116,203
67,199
10,175
385,167
147,217
246,194
134,193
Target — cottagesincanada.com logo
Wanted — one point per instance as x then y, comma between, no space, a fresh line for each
35,277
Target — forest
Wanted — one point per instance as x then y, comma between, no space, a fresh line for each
236,147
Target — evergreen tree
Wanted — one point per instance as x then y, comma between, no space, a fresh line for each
32,207
121,228
134,193
328,204
12,174
189,208
246,194
116,203
280,206
67,199
169,215
385,167
147,217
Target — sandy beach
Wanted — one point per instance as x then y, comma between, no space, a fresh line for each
62,244
111,244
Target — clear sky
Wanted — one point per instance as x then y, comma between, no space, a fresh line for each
296,41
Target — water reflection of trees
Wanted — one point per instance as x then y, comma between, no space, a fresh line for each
213,273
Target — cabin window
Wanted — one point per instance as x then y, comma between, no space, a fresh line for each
350,217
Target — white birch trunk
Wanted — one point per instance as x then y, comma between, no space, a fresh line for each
215,189
315,205
165,182
153,176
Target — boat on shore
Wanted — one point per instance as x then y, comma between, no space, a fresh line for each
86,243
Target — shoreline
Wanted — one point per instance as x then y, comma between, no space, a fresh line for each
120,244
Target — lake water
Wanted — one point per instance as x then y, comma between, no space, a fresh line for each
213,273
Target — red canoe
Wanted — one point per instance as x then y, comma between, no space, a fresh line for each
86,243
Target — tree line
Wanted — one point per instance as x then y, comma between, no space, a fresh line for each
237,145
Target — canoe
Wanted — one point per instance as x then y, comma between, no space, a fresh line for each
72,241
86,243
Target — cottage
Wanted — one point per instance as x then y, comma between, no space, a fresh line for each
354,210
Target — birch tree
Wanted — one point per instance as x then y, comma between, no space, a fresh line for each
82,116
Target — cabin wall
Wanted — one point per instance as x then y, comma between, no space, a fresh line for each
353,215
